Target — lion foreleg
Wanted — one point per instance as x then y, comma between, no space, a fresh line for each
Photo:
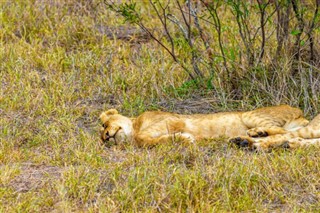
265,131
147,140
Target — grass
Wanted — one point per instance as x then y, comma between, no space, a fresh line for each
58,72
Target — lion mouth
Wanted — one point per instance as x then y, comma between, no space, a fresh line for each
108,139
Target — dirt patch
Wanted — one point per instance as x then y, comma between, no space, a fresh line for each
33,177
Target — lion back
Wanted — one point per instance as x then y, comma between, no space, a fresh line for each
282,116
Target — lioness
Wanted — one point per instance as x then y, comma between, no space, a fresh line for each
308,135
159,127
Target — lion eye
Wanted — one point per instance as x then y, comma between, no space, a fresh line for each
104,125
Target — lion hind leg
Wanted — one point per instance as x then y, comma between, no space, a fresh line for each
301,142
289,144
296,124
264,143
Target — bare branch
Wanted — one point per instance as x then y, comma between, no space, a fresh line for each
299,17
214,15
309,33
262,8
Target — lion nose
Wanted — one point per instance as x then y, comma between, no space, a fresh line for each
107,135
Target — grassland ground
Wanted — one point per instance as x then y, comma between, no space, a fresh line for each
59,71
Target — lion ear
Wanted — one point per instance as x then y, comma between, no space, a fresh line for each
105,115
111,112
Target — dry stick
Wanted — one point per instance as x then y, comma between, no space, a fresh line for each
262,24
278,28
249,40
217,25
309,33
198,26
244,33
189,16
214,14
282,27
188,36
202,36
166,48
304,86
145,29
312,59
300,26
194,57
304,83
164,24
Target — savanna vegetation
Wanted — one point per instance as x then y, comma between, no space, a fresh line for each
63,62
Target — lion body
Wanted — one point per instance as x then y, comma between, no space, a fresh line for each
155,127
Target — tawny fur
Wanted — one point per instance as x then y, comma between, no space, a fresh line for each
160,127
306,136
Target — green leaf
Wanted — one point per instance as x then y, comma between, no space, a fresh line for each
295,32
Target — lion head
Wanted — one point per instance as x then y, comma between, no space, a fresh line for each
116,128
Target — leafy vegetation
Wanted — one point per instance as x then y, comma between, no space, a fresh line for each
64,62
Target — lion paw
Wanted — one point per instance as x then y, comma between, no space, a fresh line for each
285,145
257,132
242,142
295,143
185,137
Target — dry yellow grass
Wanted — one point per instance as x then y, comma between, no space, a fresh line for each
58,72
